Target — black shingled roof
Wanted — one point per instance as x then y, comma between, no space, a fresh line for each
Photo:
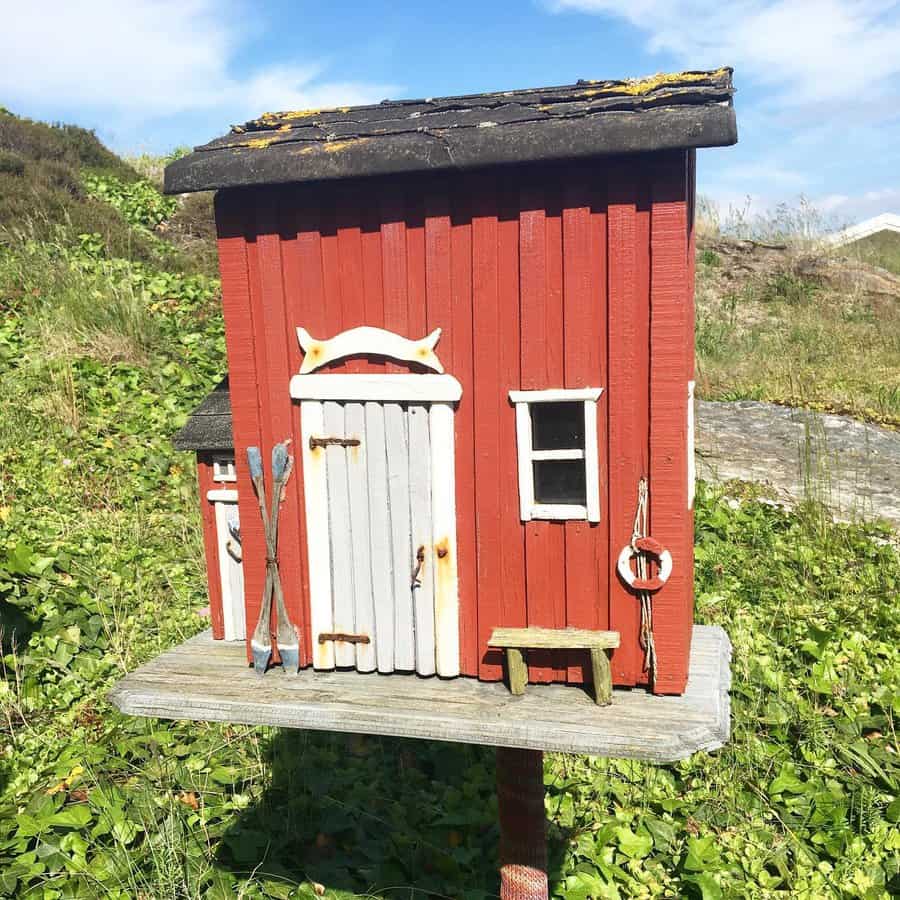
209,425
578,121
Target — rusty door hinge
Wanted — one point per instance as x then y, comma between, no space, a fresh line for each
332,442
346,638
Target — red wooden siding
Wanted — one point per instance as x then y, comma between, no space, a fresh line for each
584,314
205,484
628,261
538,278
246,407
671,335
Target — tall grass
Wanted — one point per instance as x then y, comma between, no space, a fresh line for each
79,304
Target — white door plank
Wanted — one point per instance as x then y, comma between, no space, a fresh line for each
443,513
357,484
315,492
235,576
398,500
339,532
230,576
380,538
420,523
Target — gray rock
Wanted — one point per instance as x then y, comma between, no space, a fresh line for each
850,466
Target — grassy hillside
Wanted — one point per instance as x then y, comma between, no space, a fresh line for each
108,337
882,249
789,322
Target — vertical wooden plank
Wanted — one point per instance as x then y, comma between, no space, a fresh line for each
462,366
381,552
372,260
205,484
331,273
315,488
394,270
239,343
235,574
339,531
230,575
513,606
416,268
584,312
487,396
274,334
352,283
420,524
443,511
600,299
397,446
358,492
670,354
628,368
540,263
305,305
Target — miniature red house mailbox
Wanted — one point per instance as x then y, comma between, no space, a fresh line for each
473,317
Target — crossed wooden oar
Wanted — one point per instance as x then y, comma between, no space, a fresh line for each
286,633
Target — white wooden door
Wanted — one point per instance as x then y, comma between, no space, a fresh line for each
380,507
231,570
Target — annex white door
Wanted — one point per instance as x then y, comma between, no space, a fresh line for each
231,570
378,478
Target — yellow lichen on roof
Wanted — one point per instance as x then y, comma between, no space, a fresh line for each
636,87
331,146
260,143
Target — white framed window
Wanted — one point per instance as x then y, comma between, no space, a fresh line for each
223,468
559,466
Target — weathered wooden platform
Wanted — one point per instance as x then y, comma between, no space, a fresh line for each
207,680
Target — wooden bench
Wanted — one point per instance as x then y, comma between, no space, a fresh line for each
515,640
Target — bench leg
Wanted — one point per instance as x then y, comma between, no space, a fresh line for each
523,824
518,671
602,677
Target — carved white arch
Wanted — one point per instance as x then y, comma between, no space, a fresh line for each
368,341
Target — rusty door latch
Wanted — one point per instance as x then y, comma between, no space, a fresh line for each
315,442
326,636
420,559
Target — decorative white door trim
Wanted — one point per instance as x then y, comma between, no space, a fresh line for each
385,388
368,341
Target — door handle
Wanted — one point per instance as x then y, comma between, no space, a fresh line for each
420,559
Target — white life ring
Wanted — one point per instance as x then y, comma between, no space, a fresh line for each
653,548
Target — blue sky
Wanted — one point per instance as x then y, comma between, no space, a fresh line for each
818,80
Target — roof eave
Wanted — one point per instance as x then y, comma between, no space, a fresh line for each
457,149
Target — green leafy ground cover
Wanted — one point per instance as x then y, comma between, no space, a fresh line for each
101,358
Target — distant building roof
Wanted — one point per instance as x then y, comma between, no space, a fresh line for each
209,426
578,121
884,222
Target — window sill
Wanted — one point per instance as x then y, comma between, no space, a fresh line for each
559,511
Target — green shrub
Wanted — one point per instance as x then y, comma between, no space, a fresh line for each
139,202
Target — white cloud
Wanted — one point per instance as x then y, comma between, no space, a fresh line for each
141,59
853,208
806,51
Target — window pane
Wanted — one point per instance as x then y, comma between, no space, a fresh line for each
559,481
557,426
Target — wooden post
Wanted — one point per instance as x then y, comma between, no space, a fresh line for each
523,824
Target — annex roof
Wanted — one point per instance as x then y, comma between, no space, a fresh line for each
577,121
209,425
